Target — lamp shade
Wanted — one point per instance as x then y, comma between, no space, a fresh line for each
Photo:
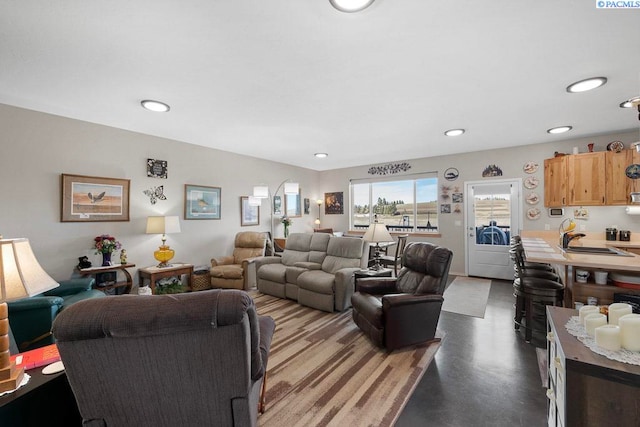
377,232
291,188
163,224
261,191
20,273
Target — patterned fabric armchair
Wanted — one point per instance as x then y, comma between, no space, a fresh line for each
233,271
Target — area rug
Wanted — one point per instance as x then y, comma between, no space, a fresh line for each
323,371
467,295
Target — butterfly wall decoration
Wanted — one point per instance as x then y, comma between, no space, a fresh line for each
155,194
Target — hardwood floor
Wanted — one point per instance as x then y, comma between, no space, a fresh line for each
484,374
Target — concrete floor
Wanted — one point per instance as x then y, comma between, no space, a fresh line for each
484,374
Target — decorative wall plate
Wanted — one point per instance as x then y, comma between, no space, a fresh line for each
616,146
451,174
533,198
533,213
633,171
531,182
530,167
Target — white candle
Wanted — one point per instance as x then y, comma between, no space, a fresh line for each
592,321
618,310
608,336
587,309
630,331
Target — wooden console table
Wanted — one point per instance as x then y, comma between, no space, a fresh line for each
585,388
153,274
92,271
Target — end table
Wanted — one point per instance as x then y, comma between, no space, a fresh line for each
92,271
153,274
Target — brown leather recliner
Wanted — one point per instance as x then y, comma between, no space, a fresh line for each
233,271
395,312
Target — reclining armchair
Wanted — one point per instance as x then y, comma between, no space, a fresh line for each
395,312
233,271
191,359
31,318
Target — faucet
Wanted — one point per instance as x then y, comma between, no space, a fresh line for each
567,237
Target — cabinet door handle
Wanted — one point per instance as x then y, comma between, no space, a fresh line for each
550,394
558,364
550,336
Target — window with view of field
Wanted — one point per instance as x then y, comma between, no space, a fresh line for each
409,205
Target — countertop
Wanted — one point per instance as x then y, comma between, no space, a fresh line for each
544,246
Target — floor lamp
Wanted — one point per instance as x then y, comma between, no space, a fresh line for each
20,276
263,192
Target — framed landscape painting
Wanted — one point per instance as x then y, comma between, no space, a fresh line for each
93,198
293,205
249,215
201,202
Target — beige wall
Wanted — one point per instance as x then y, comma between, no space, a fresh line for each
37,148
470,165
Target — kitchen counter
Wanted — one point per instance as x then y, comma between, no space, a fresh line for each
544,246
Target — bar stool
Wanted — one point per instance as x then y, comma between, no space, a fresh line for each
533,288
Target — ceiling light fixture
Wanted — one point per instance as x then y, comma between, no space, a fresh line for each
351,5
157,106
629,103
559,129
321,155
454,132
586,84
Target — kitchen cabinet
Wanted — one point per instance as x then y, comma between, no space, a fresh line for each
618,184
555,181
586,179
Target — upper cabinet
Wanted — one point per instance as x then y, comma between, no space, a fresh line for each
586,179
589,179
555,181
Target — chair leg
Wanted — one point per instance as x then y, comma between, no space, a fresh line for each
528,314
261,403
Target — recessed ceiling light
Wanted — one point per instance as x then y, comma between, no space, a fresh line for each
351,5
559,129
454,132
630,102
586,84
321,155
157,106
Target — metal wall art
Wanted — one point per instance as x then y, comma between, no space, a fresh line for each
155,194
491,170
389,168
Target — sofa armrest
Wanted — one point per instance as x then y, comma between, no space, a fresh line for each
72,286
260,261
31,320
400,300
410,319
34,303
225,260
377,285
344,288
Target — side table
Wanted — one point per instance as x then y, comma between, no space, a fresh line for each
92,271
153,274
383,272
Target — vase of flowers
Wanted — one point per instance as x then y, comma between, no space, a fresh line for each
286,221
106,245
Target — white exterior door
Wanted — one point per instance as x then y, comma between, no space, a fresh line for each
492,215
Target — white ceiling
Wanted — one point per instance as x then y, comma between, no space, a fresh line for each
284,79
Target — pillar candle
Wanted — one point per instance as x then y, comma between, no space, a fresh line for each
630,331
618,310
592,321
587,309
608,336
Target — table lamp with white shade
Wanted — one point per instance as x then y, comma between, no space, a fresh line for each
377,233
163,225
20,276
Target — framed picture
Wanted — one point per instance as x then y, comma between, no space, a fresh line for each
293,204
201,202
334,203
277,205
249,215
157,168
307,204
92,198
